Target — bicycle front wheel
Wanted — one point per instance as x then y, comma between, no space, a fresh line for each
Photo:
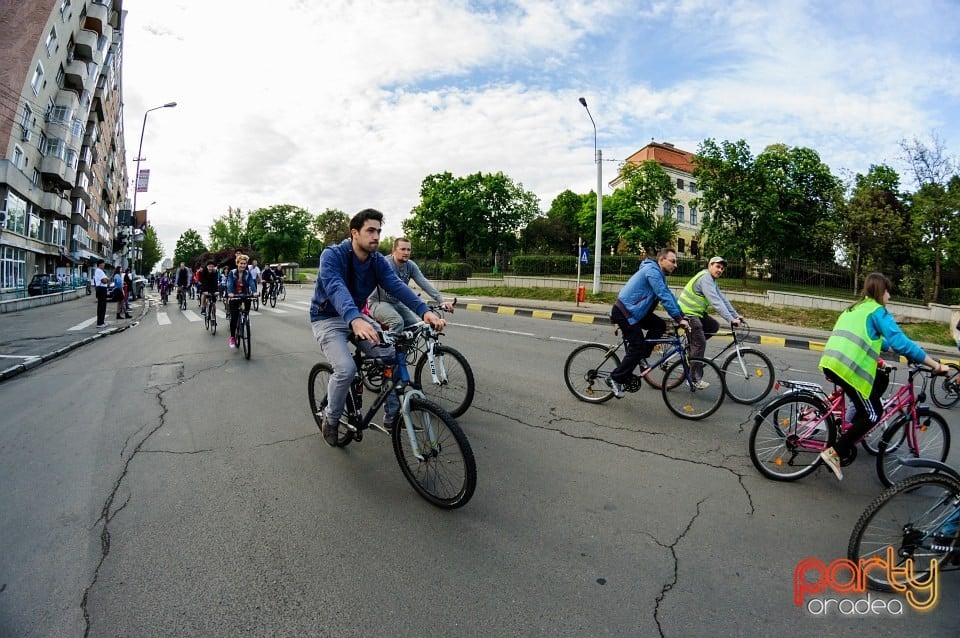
273,299
283,293
684,398
317,384
945,390
749,375
206,319
657,374
445,473
244,334
788,435
587,369
916,518
454,388
933,442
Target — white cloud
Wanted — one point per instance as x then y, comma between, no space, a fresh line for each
351,104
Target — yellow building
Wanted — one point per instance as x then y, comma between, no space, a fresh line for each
679,166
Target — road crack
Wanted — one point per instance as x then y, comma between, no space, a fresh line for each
676,565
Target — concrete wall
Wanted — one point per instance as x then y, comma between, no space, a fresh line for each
15,305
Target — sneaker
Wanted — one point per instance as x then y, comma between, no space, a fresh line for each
103,325
644,367
832,461
616,387
701,385
233,342
128,316
329,430
203,312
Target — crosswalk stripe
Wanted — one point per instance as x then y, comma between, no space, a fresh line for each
274,310
290,305
192,316
83,324
163,319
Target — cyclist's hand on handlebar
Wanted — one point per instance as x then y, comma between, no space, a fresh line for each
738,322
364,330
684,323
437,323
447,306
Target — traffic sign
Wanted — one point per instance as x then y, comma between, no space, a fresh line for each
584,255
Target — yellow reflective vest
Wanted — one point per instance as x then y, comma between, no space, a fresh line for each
690,302
850,352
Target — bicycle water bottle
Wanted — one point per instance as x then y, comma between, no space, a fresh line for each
358,392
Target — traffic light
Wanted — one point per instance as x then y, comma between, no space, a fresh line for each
118,243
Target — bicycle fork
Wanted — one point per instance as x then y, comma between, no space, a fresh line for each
437,371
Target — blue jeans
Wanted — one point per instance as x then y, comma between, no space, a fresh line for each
332,336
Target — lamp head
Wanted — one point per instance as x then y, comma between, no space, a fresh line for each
583,101
169,105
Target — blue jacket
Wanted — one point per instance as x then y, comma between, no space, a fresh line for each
333,297
647,286
249,287
881,324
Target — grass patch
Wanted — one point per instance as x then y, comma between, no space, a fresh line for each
926,331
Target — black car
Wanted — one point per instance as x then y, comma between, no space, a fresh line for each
43,285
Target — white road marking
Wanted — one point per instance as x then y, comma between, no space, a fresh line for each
84,324
274,310
163,319
192,316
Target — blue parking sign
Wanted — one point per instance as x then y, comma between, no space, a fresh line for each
584,255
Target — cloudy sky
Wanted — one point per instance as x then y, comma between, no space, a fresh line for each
350,103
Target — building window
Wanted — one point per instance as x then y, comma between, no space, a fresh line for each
680,213
694,248
36,178
18,159
51,41
666,210
61,76
693,215
13,267
16,214
65,9
36,83
58,232
693,187
36,226
679,184
681,245
54,147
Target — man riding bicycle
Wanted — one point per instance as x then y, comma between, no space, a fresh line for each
182,278
633,313
209,283
349,272
384,307
269,278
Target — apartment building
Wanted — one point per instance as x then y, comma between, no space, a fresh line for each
63,175
679,166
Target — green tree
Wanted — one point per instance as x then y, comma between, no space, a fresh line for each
629,213
331,226
189,247
437,209
557,231
934,217
229,231
152,250
279,232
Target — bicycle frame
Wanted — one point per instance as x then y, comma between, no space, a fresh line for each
357,422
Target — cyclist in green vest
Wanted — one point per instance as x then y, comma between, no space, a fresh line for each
701,292
850,360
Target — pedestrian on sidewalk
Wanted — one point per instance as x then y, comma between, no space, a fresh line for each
118,293
101,282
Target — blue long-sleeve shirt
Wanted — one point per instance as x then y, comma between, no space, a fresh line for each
645,288
333,297
880,323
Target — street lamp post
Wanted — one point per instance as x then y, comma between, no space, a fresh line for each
597,246
136,179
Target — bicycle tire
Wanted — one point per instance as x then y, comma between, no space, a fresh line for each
586,370
774,442
206,319
945,390
447,475
454,393
317,384
909,516
933,441
686,401
273,299
244,333
757,383
657,374
371,373
256,303
283,293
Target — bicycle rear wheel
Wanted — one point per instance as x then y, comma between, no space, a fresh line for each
273,299
687,401
587,369
749,375
945,390
454,388
446,473
283,293
657,374
788,435
317,384
244,334
914,519
933,442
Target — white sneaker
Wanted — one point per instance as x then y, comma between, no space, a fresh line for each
832,461
701,385
616,387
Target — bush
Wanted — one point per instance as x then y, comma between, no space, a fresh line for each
446,270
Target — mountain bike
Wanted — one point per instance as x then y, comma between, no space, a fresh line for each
749,373
164,295
945,391
433,452
588,368
181,298
915,519
242,332
791,430
210,318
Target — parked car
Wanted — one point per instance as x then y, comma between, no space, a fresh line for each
44,284
139,283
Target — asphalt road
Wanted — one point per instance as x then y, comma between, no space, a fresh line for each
155,483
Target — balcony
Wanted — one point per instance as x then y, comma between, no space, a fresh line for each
69,98
86,46
98,14
54,203
78,219
80,192
75,74
57,170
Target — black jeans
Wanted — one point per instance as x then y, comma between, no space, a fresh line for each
101,305
867,415
235,312
637,347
